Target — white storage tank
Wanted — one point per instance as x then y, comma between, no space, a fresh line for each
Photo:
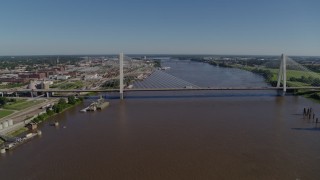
2,151
10,122
5,124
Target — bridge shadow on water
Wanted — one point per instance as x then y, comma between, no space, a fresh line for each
182,95
194,96
197,94
308,129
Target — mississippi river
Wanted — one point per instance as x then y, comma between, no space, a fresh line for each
212,135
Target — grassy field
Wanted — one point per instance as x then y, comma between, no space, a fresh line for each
4,113
290,74
22,104
69,85
297,84
15,85
17,132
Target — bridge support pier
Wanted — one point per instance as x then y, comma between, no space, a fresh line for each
281,93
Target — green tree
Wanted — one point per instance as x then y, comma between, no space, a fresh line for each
71,100
3,101
29,68
62,101
316,82
57,108
50,112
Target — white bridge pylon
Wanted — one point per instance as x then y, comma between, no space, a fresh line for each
121,56
282,76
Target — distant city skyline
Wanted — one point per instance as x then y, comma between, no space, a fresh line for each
231,27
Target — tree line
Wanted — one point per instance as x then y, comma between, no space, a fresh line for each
58,108
307,80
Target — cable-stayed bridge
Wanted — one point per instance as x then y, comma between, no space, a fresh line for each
162,80
131,75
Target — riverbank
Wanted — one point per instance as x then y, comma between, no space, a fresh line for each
312,95
58,108
295,78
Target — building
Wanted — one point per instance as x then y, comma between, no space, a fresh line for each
14,80
73,74
33,75
32,85
48,72
32,126
63,77
45,85
91,77
53,71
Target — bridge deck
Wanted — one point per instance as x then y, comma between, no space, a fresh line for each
163,89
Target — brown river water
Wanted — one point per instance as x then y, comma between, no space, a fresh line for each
189,138
202,137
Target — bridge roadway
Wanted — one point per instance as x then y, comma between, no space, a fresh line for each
164,89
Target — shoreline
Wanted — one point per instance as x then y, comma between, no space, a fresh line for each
44,117
268,77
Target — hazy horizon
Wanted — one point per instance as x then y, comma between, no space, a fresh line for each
162,54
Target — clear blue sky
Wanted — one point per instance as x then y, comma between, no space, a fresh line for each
261,27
